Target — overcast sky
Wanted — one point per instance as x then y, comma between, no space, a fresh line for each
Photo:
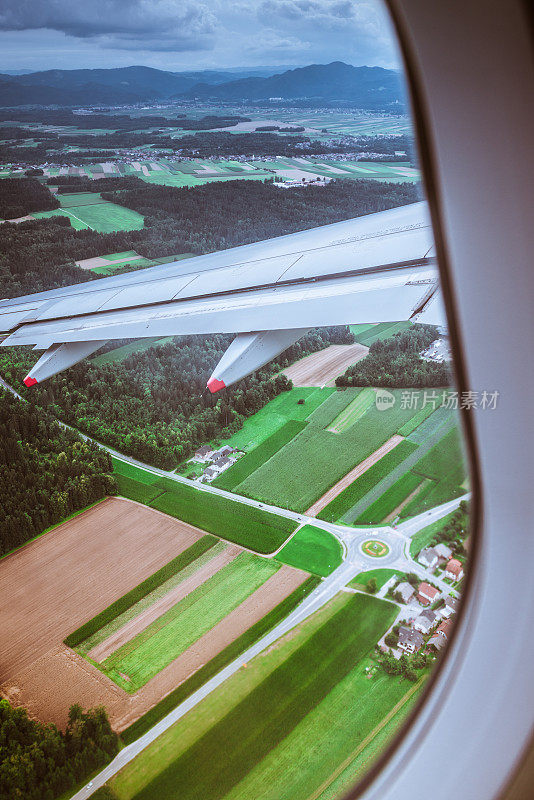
182,35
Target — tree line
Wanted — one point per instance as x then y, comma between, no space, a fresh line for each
38,255
123,122
40,762
46,472
153,405
216,216
396,363
21,196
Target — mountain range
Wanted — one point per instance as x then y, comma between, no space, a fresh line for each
365,87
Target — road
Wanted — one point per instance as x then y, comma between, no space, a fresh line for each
355,561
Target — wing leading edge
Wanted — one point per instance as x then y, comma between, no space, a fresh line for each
376,268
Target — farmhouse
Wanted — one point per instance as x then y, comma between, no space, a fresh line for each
454,570
425,621
426,594
406,591
209,473
204,453
410,640
223,451
428,558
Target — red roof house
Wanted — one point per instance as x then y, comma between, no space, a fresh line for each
454,570
426,594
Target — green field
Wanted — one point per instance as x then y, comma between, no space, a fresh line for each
276,414
102,217
138,346
390,500
315,459
221,660
341,504
247,464
445,461
313,550
277,711
76,222
245,525
355,409
416,421
79,199
171,634
381,331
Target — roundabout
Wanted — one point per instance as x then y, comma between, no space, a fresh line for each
375,548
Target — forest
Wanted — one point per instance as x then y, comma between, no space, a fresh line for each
396,363
221,215
40,762
117,122
19,196
46,472
152,405
73,183
40,254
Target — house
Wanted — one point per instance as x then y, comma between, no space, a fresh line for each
437,642
428,558
209,474
450,607
426,594
425,621
409,640
222,463
443,552
406,591
223,451
454,570
203,453
444,628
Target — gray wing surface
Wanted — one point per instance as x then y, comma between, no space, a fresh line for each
375,268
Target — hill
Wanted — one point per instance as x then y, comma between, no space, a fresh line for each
119,86
366,87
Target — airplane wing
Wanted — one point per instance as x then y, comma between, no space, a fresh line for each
375,268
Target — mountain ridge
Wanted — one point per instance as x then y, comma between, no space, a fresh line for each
367,87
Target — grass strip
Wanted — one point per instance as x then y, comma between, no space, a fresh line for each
245,525
138,592
416,420
236,522
187,621
135,490
232,747
355,409
348,498
246,465
221,660
392,498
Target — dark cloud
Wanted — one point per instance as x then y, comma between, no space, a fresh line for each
123,23
309,10
175,34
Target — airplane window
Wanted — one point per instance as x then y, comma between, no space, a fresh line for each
235,527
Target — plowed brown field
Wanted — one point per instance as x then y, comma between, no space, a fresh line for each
322,368
61,580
